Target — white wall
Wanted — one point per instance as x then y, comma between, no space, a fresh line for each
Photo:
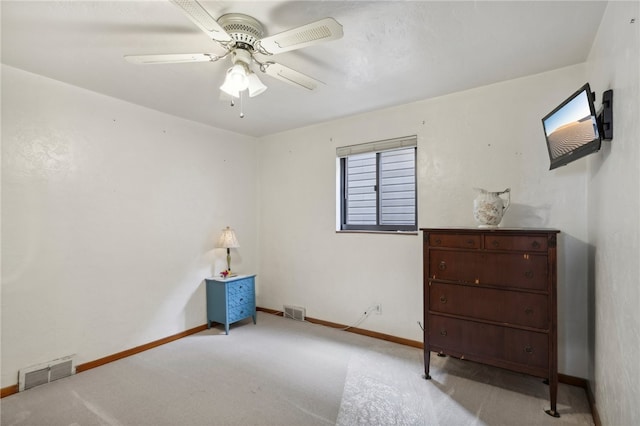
110,213
614,222
490,137
110,210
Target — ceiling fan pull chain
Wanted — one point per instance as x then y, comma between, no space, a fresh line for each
241,107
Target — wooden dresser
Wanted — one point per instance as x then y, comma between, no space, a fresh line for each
490,297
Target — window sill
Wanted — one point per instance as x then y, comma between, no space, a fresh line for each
351,231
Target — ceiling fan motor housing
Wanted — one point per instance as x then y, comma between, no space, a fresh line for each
243,29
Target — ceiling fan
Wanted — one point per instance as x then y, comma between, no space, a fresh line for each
243,39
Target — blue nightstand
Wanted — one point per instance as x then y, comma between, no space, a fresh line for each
230,300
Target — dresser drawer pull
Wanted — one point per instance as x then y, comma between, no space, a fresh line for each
528,274
443,332
442,265
535,244
443,299
528,311
495,243
528,349
471,242
438,241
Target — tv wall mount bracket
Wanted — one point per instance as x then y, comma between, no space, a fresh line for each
605,115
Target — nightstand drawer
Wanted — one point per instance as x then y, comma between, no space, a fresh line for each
240,287
237,295
240,299
236,313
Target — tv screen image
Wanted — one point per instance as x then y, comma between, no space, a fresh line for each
571,129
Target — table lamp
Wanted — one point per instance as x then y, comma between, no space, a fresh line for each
228,240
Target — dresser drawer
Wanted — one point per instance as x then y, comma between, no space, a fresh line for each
489,342
517,270
516,242
507,307
455,240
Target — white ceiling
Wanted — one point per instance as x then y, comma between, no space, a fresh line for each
392,52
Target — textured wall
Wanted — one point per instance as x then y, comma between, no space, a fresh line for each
614,222
489,137
109,216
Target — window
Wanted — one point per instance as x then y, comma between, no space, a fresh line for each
378,186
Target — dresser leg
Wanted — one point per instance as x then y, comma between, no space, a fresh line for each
254,318
553,395
427,359
552,413
208,324
226,328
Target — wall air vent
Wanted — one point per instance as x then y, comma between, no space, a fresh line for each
294,312
40,374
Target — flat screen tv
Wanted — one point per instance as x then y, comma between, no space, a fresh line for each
571,129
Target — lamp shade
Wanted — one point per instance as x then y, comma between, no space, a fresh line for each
236,80
229,88
228,239
255,85
226,88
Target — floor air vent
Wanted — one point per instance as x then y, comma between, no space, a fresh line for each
294,312
44,373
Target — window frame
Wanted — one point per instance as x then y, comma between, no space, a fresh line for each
374,147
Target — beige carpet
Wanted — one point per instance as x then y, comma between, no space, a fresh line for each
283,372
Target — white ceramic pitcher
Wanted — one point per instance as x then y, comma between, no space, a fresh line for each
489,207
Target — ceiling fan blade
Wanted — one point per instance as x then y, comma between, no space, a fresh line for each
203,19
291,76
307,35
172,58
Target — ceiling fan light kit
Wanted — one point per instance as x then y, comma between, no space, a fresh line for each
242,36
240,77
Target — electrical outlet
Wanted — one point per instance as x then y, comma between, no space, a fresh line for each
377,309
